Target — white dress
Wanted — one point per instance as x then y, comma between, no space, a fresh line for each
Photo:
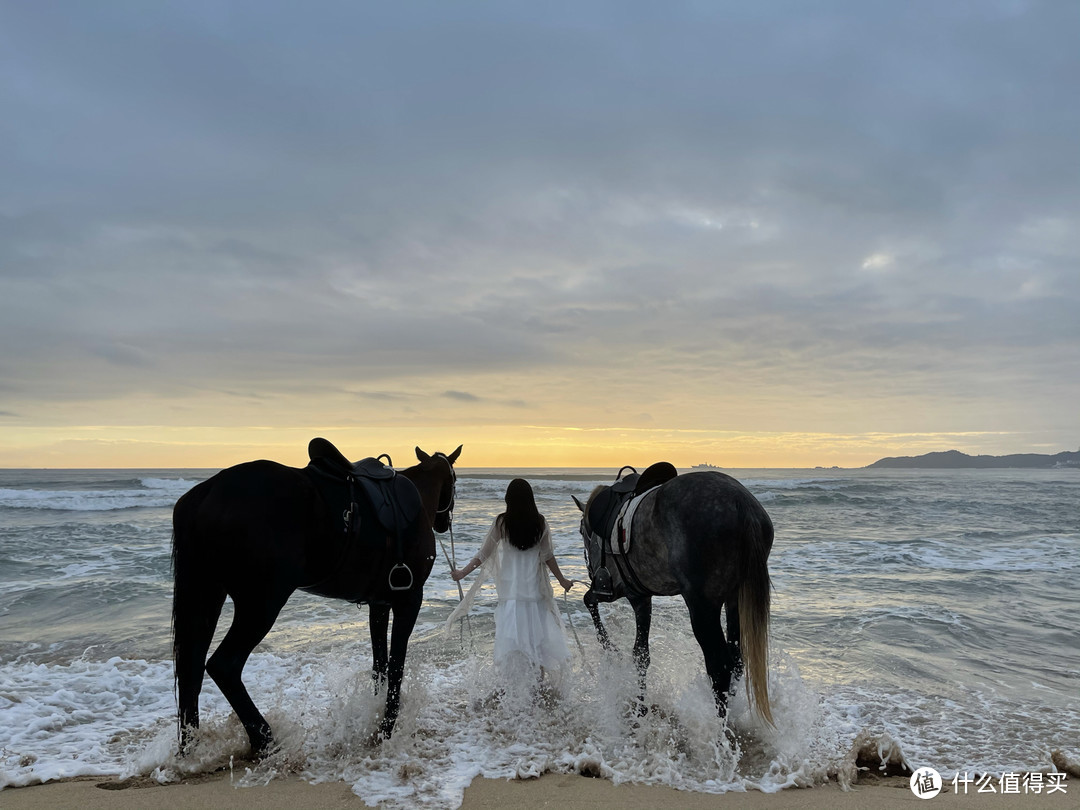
528,625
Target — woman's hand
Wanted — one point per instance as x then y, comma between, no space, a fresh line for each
458,574
567,584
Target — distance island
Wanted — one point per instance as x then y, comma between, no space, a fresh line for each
955,460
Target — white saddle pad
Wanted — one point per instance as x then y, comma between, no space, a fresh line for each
620,533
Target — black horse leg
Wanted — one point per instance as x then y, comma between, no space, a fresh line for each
720,663
642,606
380,622
592,604
194,630
252,620
406,608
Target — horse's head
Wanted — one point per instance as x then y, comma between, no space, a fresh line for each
598,517
442,466
588,537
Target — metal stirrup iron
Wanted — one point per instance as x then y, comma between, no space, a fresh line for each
399,571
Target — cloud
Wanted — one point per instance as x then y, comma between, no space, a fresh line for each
382,396
843,202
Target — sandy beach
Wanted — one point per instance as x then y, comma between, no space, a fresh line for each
562,791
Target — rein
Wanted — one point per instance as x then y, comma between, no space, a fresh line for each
581,648
448,510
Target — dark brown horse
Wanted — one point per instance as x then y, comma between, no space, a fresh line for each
702,535
259,531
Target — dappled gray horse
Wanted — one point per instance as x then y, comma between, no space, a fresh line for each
702,535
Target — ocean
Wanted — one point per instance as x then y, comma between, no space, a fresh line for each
925,615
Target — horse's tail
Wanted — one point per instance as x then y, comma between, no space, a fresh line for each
183,540
196,605
754,598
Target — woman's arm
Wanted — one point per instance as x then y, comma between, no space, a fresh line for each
547,554
486,551
567,584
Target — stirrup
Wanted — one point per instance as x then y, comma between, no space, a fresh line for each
400,570
601,584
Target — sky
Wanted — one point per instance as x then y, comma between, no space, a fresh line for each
770,234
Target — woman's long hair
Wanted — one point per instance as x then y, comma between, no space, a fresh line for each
521,520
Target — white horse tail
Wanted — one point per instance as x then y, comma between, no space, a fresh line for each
754,598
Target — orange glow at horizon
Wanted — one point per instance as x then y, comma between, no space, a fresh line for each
517,446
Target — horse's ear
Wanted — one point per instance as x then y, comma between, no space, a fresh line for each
579,504
454,456
421,455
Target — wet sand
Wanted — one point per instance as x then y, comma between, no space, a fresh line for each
554,791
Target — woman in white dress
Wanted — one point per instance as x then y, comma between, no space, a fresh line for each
516,552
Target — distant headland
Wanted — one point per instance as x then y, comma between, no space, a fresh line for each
955,460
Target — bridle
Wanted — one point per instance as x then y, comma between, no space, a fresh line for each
589,538
401,568
599,575
448,510
602,584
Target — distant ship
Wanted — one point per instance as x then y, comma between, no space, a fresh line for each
704,467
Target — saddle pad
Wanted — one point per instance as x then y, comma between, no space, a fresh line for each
621,534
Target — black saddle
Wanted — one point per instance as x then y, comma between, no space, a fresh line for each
331,460
602,515
605,507
655,474
391,499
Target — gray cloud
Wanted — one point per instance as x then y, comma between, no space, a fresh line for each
461,396
851,199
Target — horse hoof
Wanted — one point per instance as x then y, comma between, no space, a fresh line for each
187,741
262,743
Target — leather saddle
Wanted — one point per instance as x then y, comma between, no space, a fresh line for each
392,499
604,512
605,507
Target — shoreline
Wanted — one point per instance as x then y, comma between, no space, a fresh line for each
566,791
